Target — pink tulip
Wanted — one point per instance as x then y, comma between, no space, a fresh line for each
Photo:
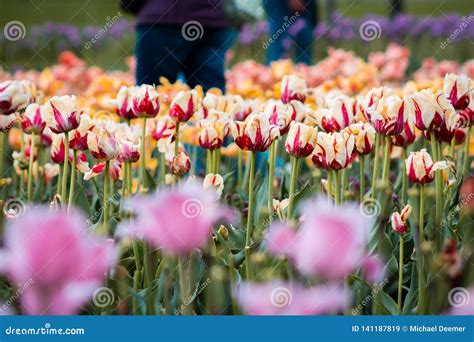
280,239
373,269
179,220
331,241
462,301
282,298
63,263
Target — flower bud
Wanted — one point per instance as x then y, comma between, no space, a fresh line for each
420,167
181,164
399,220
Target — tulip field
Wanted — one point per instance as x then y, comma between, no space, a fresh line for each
339,188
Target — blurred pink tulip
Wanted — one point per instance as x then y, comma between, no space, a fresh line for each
179,220
53,252
282,298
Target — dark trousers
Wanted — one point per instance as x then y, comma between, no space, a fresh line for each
162,50
278,13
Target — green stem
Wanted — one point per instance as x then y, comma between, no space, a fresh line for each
2,152
150,305
271,175
248,233
30,168
176,148
293,182
329,183
73,180
65,170
208,161
465,166
184,288
130,179
142,156
239,167
400,276
337,191
376,165
362,178
404,177
106,196
421,274
386,162
435,151
162,168
58,182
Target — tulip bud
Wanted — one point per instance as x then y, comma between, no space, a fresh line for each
293,88
62,113
399,220
420,167
301,140
33,119
224,232
184,105
146,101
456,87
181,164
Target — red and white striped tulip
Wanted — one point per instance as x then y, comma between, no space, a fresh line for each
184,105
181,164
78,137
282,114
145,101
432,110
364,137
293,88
255,133
406,137
212,133
16,95
124,103
115,170
63,114
420,167
301,140
338,112
457,87
215,182
33,119
389,115
399,220
102,144
333,151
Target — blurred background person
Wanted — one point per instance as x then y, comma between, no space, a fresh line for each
181,37
281,13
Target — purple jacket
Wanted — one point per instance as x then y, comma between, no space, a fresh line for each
178,12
